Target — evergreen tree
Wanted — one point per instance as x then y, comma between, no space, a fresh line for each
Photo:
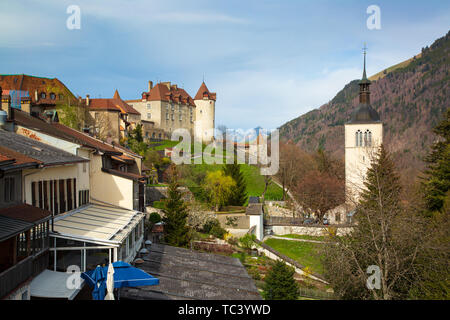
239,194
434,260
385,235
437,182
176,231
280,283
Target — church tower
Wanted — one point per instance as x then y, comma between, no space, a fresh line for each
205,109
363,136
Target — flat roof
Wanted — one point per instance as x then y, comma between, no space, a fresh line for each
97,223
187,274
53,284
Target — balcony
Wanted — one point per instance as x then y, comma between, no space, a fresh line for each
31,266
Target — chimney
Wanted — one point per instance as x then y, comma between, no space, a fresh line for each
25,104
87,100
150,85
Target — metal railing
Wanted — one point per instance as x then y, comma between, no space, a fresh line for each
12,277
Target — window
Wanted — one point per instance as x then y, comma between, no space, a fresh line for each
153,135
52,96
43,95
9,189
61,96
84,166
167,116
172,117
359,141
149,106
149,115
368,138
181,116
172,107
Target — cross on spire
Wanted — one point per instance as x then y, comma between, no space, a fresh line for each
364,52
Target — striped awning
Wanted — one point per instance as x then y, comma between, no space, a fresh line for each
98,223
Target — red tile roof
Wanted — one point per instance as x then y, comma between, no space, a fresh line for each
113,104
85,139
204,92
164,91
41,85
18,157
25,212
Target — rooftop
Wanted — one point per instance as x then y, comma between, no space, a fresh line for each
364,113
192,275
97,223
44,153
18,218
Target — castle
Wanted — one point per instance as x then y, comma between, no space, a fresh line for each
165,107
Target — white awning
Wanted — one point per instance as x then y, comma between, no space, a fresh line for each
97,223
53,284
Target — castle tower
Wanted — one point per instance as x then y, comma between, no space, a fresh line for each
363,136
205,105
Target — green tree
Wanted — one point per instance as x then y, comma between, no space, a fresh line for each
434,261
219,188
437,181
280,283
238,195
385,235
176,231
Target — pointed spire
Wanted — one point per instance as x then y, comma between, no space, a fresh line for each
116,95
364,52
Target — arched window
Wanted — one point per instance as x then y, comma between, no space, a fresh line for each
357,137
368,138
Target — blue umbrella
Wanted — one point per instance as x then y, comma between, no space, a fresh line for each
98,281
125,275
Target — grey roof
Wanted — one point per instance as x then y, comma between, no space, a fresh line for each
10,227
253,199
37,150
254,209
364,113
186,274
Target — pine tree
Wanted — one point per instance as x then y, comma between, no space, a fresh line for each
239,194
280,283
176,231
437,182
385,236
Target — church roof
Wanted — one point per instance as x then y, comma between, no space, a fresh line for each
364,113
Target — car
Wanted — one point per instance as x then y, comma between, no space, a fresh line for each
325,221
308,221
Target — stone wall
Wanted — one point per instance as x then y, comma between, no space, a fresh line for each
308,230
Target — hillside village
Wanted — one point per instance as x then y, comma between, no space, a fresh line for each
90,182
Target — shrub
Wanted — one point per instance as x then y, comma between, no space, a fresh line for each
154,217
214,228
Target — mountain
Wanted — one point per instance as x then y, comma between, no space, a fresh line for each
410,98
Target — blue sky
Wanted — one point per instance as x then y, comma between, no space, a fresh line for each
268,61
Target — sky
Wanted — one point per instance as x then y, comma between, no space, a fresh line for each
268,61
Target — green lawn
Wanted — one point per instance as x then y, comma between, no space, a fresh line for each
255,181
306,253
164,144
305,237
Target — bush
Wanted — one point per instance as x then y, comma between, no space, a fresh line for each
154,217
214,228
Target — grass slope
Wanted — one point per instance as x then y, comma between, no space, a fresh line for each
306,253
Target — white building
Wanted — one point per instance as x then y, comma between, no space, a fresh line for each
363,137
